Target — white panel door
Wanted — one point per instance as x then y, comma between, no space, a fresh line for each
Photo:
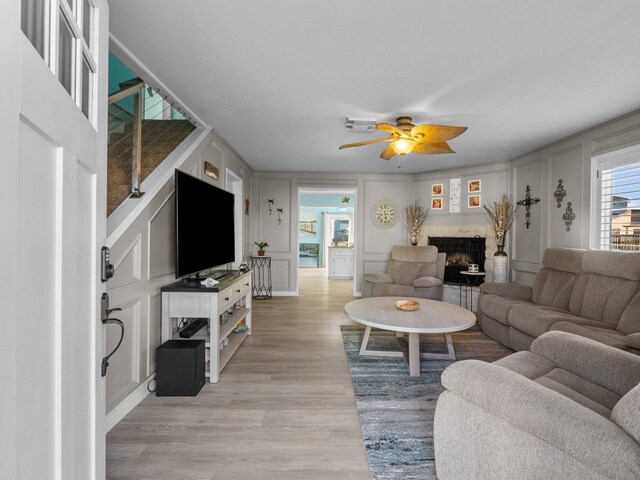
53,224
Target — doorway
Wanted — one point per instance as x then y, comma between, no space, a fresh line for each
326,232
234,185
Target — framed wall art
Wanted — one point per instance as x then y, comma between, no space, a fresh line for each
473,186
474,201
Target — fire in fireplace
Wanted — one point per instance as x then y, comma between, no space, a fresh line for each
461,252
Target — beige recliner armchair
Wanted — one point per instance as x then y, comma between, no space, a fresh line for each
568,409
412,272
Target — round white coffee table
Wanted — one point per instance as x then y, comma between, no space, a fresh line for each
432,317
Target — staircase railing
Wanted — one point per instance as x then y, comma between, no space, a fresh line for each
142,123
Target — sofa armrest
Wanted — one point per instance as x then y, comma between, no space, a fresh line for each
511,290
602,364
547,415
378,277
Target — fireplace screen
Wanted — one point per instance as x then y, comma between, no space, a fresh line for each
461,252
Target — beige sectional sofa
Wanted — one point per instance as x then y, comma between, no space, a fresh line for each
568,409
592,293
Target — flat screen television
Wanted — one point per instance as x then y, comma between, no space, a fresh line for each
204,226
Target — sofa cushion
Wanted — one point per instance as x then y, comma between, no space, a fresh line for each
426,282
553,288
602,298
526,364
633,340
608,336
630,319
391,290
498,307
627,412
612,264
563,259
582,391
405,253
609,367
535,320
404,273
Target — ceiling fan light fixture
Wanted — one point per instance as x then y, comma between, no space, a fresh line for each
403,146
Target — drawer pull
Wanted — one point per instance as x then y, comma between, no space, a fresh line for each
226,299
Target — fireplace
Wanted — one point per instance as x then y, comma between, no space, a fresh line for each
461,252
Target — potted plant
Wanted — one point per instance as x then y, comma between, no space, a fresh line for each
261,246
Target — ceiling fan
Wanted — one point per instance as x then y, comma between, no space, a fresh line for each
407,137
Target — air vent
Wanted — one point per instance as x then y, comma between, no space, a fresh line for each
360,124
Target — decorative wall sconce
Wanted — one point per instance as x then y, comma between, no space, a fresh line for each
280,211
568,216
560,193
270,204
526,203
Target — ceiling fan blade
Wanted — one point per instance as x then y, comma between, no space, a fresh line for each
432,148
387,153
435,133
368,142
391,129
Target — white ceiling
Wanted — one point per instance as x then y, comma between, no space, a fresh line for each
277,78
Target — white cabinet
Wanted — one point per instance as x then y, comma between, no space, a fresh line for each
227,306
340,262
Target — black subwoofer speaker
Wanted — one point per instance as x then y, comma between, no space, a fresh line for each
180,368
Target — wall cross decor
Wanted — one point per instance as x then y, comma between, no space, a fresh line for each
526,203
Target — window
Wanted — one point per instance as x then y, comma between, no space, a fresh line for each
63,32
618,182
34,24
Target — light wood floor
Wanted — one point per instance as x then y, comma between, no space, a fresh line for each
284,407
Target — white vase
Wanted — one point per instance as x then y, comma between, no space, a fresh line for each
500,266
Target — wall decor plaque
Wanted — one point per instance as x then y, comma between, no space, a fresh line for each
210,170
560,193
568,216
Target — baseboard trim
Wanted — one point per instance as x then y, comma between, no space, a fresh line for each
293,293
123,408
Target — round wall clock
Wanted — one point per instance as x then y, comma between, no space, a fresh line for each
384,214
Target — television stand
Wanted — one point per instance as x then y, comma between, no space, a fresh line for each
226,306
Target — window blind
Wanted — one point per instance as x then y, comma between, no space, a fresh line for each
620,206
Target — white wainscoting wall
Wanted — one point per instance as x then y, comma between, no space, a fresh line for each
144,259
570,160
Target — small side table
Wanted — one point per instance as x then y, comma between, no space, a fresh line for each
261,277
472,279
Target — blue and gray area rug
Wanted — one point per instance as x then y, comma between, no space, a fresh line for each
396,410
